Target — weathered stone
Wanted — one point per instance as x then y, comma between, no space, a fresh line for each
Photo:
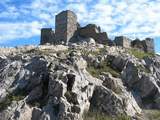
112,83
137,44
66,25
35,94
94,32
123,41
104,100
68,86
47,36
146,45
119,63
130,74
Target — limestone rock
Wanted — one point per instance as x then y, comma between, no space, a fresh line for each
53,82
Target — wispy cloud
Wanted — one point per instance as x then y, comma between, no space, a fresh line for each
11,31
133,18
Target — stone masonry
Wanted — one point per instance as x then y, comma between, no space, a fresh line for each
146,45
47,36
66,25
67,30
91,30
123,41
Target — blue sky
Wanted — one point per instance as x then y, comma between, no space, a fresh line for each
21,20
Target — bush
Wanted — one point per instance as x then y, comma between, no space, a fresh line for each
8,100
103,67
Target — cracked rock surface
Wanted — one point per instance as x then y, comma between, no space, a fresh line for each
63,82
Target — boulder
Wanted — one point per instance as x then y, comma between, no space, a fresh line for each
106,101
130,74
119,63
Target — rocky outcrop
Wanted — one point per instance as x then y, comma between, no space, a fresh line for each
143,80
57,83
112,98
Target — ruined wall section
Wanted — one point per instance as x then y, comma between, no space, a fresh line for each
123,41
146,45
91,30
47,36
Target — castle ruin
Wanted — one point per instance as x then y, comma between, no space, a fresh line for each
146,45
47,35
67,30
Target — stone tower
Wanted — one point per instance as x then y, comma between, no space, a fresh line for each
65,27
123,41
47,36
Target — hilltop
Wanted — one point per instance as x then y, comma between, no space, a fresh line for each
64,82
78,73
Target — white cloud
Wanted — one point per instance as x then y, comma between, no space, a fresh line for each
11,31
158,53
133,18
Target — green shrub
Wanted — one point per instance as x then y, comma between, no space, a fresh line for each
103,67
123,117
100,116
8,100
140,54
95,116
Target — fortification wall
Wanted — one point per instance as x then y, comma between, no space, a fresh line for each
123,41
146,45
94,32
47,36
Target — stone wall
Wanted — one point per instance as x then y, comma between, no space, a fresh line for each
94,32
146,45
149,45
123,41
137,43
66,25
47,36
68,30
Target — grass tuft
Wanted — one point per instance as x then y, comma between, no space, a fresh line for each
8,100
140,54
100,116
103,67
